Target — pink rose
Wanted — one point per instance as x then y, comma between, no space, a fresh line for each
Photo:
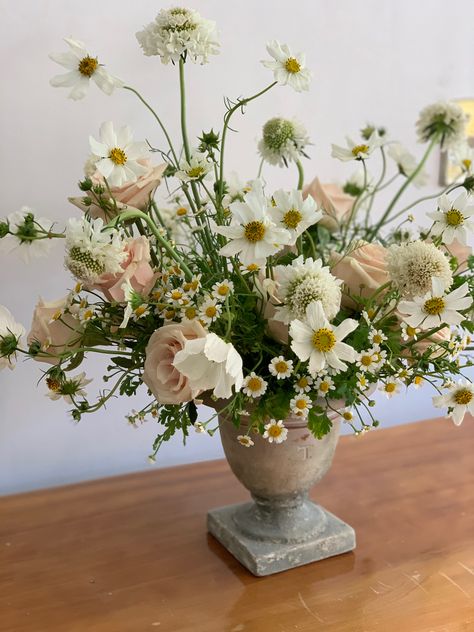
166,383
365,266
54,336
335,204
136,269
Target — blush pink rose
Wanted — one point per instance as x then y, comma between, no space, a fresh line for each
166,383
136,269
363,270
335,204
54,336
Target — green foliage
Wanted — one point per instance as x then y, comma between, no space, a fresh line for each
319,423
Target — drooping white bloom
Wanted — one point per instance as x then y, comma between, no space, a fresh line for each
407,163
252,231
303,283
453,219
118,154
458,399
135,306
412,265
82,67
283,141
280,368
254,385
347,415
197,167
436,307
11,333
446,120
463,155
179,32
210,363
70,390
28,235
391,386
300,405
288,68
245,440
320,342
356,151
275,431
294,213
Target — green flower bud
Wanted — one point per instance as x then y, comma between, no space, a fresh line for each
209,141
8,345
85,185
4,229
468,184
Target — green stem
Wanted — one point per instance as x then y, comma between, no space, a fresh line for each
447,189
300,175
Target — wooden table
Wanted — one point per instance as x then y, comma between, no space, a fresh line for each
131,553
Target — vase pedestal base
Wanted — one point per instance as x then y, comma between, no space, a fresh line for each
265,556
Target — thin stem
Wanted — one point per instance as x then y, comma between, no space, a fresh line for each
300,175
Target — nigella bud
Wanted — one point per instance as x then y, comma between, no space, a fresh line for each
4,229
85,185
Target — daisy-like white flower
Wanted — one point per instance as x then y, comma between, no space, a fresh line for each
295,213
245,440
250,268
82,67
235,189
459,400
376,336
222,289
436,307
283,141
300,405
252,231
463,155
379,357
445,120
452,220
356,151
391,386
27,235
118,154
347,415
418,382
210,310
281,368
409,333
254,386
136,306
302,283
367,360
190,313
193,286
362,381
275,431
303,383
11,333
319,342
70,389
196,168
405,374
179,32
407,163
177,296
288,68
324,384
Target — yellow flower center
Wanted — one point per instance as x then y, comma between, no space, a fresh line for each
371,313
190,313
53,384
463,396
281,367
253,267
57,315
366,360
176,295
347,416
301,404
362,381
454,217
181,211
210,311
324,387
303,382
254,231
275,431
87,315
467,163
223,290
140,310
360,149
323,340
292,65
170,314
377,339
434,306
418,380
292,218
195,172
118,156
254,384
411,331
390,387
87,66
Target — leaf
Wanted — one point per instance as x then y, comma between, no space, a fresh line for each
319,425
75,361
126,363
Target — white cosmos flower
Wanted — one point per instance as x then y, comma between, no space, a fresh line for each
294,213
209,363
459,399
118,155
453,219
252,231
407,163
11,333
356,151
275,431
288,68
70,390
197,167
436,307
82,68
27,236
320,342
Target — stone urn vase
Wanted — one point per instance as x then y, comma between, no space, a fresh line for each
280,528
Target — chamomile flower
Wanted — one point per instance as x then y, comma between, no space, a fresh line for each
320,342
362,381
27,235
245,440
222,289
196,168
177,296
190,313
459,400
376,336
347,415
324,384
405,373
379,357
407,163
463,155
409,333
281,368
250,268
356,151
300,405
418,382
82,67
135,307
210,310
444,120
70,389
367,360
275,431
193,286
282,141
303,383
288,68
452,220
11,333
390,387
254,386
295,213
118,155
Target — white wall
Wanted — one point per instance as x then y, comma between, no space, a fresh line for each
373,60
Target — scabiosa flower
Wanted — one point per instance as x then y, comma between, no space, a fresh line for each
300,405
294,213
275,431
452,219
222,289
324,384
459,399
407,163
70,389
254,386
245,440
445,120
11,333
281,368
27,235
356,151
179,32
391,386
288,68
303,283
210,310
282,141
412,266
196,168
82,68
303,383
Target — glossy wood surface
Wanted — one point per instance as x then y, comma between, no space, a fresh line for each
131,553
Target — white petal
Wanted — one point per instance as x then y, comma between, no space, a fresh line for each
98,149
80,89
345,328
65,80
107,134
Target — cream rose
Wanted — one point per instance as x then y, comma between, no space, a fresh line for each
167,384
331,199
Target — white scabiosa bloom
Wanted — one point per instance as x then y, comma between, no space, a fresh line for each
356,151
446,120
27,236
11,333
458,399
302,283
320,342
283,141
407,163
252,231
281,368
82,67
254,385
210,363
179,32
275,431
288,68
196,168
436,307
294,213
411,267
118,154
452,220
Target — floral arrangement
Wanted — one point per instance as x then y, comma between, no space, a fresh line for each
266,304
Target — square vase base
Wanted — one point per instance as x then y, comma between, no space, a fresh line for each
264,558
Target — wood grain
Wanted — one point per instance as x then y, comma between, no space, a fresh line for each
131,553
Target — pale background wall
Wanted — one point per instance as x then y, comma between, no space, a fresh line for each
374,60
